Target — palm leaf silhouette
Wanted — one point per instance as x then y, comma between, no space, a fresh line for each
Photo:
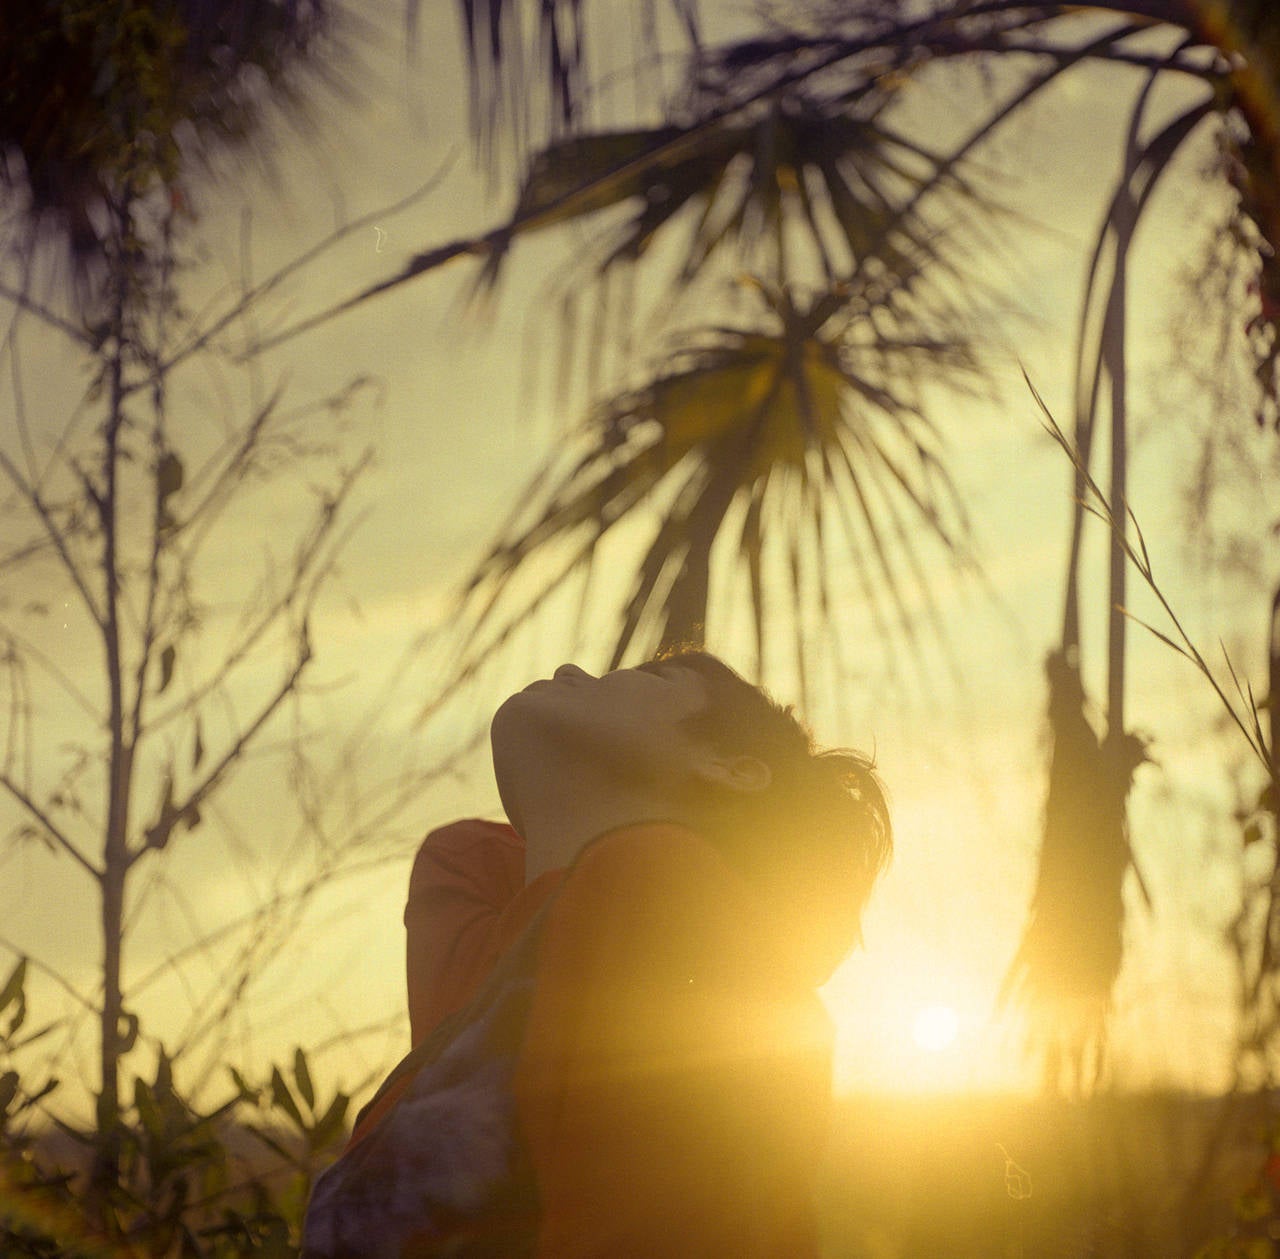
530,63
838,176
795,422
787,159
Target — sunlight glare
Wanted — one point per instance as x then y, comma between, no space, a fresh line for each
936,1027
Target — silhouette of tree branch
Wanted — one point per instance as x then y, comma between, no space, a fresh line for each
1135,550
51,828
253,295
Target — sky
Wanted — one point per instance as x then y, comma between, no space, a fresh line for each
457,430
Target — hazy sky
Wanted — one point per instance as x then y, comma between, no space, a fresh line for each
457,432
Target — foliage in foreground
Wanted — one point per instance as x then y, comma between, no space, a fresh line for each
969,1178
231,1180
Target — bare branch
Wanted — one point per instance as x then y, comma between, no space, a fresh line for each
45,968
55,833
253,295
155,553
21,554
1137,556
19,401
305,561
253,918
79,335
56,536
827,52
24,647
474,246
244,445
171,814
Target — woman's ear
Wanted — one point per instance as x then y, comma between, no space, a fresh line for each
747,774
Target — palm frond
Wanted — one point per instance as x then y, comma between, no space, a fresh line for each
837,181
736,173
778,421
530,63
712,165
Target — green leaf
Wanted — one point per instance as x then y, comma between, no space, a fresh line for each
167,658
18,1017
129,1036
169,475
331,1125
164,1074
148,1112
31,1037
13,986
284,1099
731,412
43,1091
246,1092
8,1090
302,1076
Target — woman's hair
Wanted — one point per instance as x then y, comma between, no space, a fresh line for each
821,828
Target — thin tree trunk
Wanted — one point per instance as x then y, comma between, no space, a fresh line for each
1114,357
119,770
1273,705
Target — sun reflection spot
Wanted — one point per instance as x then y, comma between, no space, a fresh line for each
935,1027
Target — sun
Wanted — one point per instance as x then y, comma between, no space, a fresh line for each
916,1030
935,1027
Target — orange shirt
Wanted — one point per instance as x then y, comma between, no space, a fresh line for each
467,904
674,1079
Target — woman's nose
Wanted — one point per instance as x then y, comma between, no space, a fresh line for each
571,671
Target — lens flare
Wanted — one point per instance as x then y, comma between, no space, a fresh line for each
935,1027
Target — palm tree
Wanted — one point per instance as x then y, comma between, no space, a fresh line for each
790,155
839,77
803,427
